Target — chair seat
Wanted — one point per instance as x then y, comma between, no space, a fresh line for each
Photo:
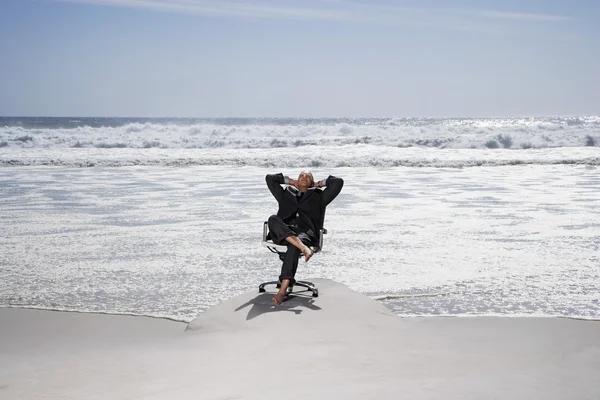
280,248
270,244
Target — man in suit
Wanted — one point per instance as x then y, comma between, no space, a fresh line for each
300,217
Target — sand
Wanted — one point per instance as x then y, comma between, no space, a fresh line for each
339,345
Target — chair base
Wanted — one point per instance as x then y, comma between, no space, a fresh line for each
305,284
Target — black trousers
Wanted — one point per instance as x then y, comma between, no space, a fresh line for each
279,230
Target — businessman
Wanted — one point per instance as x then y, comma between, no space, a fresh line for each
301,213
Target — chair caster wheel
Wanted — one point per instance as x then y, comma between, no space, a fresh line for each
315,294
261,290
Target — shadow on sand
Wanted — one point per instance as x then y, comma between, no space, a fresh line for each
295,303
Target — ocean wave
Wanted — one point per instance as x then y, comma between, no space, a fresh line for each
451,133
332,156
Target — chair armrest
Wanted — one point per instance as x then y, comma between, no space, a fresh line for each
322,232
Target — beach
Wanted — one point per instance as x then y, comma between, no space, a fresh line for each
339,345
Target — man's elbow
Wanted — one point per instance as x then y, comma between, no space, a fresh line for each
339,181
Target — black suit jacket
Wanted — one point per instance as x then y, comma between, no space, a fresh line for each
310,207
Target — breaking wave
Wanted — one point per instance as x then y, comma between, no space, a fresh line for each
326,142
456,133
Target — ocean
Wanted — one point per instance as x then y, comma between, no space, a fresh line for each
438,216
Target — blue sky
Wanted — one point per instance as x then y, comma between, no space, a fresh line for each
311,58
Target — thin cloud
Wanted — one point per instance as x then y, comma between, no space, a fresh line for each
228,8
520,16
323,10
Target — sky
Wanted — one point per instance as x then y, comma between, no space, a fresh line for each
299,58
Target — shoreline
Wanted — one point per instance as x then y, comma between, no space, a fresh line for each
125,314
401,316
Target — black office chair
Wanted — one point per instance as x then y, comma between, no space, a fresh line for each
281,250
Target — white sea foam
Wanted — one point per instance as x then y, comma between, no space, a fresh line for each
363,155
171,242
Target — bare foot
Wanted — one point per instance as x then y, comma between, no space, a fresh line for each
278,298
308,253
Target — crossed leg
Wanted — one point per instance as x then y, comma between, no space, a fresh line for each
281,232
285,283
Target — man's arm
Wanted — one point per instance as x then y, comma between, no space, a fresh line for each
333,187
274,182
